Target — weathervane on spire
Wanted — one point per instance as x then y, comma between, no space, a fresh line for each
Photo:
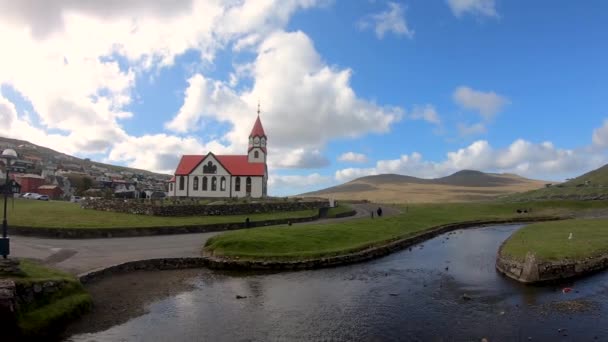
258,107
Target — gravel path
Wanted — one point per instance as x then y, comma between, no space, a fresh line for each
78,256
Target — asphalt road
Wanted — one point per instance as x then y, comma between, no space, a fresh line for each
83,255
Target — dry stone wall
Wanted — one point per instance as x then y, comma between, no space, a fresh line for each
168,209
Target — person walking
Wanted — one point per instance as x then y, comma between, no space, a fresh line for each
379,211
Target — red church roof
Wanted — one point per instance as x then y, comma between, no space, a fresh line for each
235,165
240,166
257,130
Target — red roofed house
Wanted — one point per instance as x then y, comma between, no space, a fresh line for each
213,175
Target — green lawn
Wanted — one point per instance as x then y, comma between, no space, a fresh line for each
549,240
311,241
31,213
339,209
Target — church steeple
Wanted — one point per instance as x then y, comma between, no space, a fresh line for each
257,141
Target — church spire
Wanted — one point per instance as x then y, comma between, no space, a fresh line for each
258,129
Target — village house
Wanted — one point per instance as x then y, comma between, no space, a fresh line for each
225,176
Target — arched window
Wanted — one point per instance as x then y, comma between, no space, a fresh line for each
181,182
256,154
248,186
223,184
237,184
170,186
213,183
195,183
204,183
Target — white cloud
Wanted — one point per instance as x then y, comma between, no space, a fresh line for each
305,103
474,129
536,160
427,113
487,104
353,157
485,8
293,184
600,135
391,20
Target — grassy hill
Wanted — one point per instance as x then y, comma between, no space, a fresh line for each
462,186
592,185
25,148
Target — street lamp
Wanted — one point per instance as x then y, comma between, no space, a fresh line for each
7,155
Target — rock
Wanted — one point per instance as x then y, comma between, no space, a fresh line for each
394,294
37,288
466,297
240,297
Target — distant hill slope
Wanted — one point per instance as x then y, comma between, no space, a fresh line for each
462,186
592,185
25,148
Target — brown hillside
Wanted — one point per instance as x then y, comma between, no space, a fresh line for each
462,186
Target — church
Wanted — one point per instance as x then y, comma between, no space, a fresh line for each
225,176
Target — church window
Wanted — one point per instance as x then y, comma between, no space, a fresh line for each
213,184
256,154
237,184
223,184
181,182
263,142
204,183
195,183
170,186
256,141
248,185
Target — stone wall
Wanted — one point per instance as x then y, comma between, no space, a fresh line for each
94,233
533,271
167,208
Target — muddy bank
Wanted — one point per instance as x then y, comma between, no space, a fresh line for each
121,297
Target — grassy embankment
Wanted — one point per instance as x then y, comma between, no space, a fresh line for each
48,313
340,209
313,241
549,240
30,213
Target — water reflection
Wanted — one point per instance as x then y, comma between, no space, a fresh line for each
410,295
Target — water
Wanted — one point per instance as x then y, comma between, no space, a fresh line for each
408,295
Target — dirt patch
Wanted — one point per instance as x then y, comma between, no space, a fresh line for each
119,298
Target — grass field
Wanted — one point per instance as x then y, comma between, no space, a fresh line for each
30,213
311,241
549,240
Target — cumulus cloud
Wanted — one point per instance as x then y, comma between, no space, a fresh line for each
600,135
353,157
487,104
486,8
537,160
427,113
292,184
305,103
391,20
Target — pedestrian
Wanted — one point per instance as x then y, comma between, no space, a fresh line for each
379,211
247,222
372,212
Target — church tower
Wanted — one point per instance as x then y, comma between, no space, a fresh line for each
257,142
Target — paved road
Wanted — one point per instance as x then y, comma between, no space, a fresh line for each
82,255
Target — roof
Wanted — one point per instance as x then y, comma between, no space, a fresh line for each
188,163
172,180
49,187
235,165
29,175
257,130
240,166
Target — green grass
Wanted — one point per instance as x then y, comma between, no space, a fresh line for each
339,209
549,240
312,241
50,318
47,313
58,214
566,191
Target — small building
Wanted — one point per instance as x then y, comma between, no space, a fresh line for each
53,191
29,182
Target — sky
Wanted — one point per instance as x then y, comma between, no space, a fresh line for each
347,88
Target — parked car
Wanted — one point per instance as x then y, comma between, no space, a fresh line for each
30,195
75,199
42,198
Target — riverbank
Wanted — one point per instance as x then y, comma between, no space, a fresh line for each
553,251
36,301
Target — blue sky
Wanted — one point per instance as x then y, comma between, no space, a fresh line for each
347,88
